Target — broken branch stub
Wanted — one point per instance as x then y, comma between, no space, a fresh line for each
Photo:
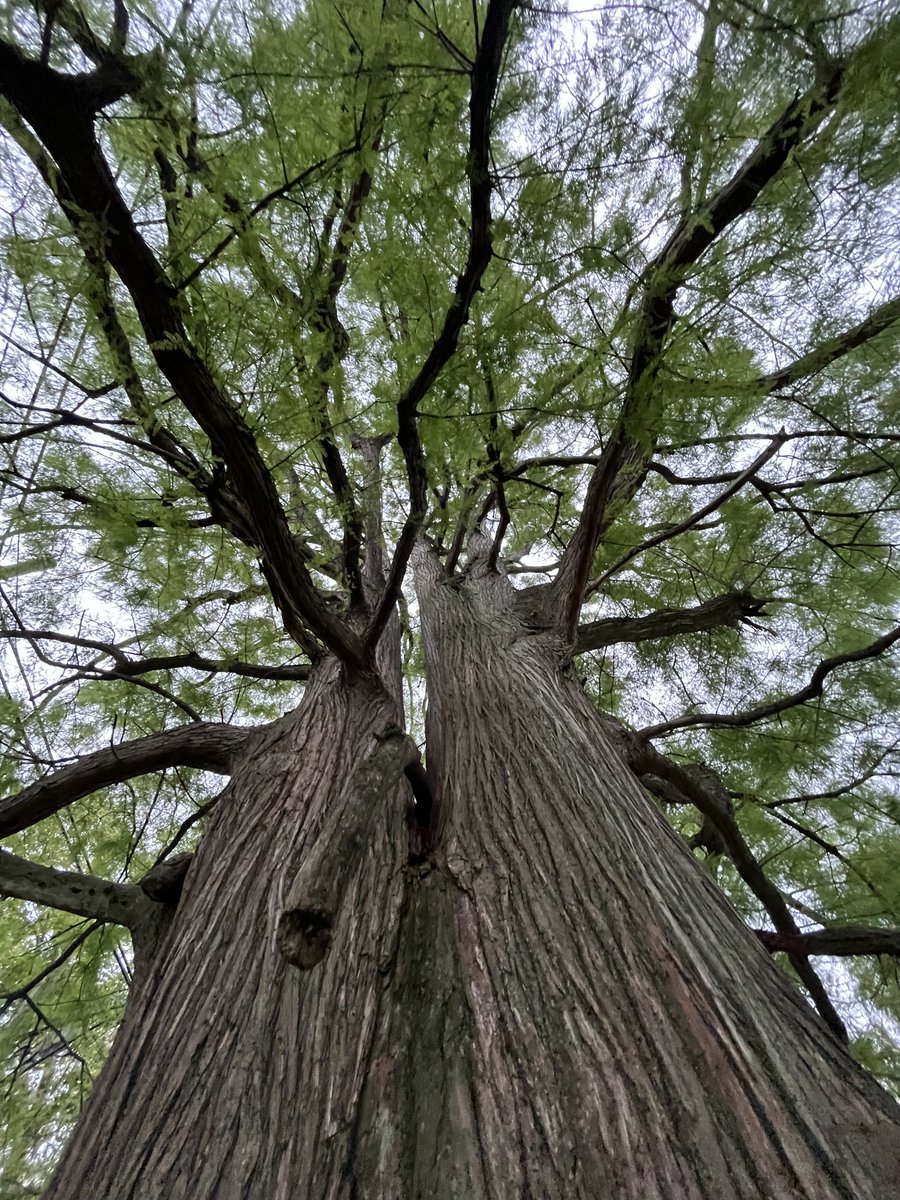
307,920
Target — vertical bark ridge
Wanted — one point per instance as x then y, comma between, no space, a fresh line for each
628,1036
234,1074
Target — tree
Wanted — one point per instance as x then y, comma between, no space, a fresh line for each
541,361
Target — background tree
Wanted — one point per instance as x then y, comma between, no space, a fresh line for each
588,324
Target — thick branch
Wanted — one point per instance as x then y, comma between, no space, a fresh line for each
208,746
484,76
761,712
727,610
843,942
624,461
319,309
83,895
197,662
830,351
128,667
61,111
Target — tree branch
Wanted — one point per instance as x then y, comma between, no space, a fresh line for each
83,895
624,460
320,311
689,522
207,746
726,610
766,485
761,712
845,941
283,189
828,847
830,351
806,798
61,110
484,77
645,760
127,667
21,992
327,322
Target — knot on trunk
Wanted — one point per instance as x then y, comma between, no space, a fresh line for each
303,936
165,881
709,836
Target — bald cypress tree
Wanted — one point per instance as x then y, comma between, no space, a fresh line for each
470,431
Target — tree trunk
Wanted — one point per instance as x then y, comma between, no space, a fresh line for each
235,1074
626,1035
552,999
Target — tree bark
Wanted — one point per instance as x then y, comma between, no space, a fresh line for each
235,1074
547,998
626,1036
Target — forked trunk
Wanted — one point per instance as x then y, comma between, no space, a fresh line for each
554,1002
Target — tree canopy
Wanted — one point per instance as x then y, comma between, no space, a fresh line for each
617,289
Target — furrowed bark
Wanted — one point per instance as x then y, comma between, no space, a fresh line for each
306,925
626,1036
555,1001
721,830
206,745
234,1074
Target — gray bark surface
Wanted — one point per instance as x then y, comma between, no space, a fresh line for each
626,1035
548,998
234,1073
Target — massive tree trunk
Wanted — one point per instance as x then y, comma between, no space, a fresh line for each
541,995
235,1074
626,1035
